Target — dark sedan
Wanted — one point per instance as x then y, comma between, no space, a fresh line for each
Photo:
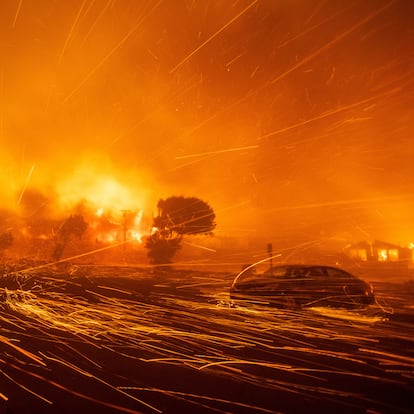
295,286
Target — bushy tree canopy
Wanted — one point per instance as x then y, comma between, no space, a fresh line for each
184,215
74,225
161,250
177,216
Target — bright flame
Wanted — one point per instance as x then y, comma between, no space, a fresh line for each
115,225
382,255
98,188
138,218
109,237
109,198
136,236
135,233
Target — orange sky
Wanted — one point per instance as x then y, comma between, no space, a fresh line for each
288,117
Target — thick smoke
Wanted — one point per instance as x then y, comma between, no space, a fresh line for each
290,118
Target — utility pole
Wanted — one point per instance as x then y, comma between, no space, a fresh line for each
124,216
270,252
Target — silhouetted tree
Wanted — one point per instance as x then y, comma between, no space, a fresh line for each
177,216
160,250
74,225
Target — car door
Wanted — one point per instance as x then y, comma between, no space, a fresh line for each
316,285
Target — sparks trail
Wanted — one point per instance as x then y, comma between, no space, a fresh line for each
24,387
179,324
200,397
305,60
332,112
71,31
67,259
315,26
29,176
19,6
201,247
91,28
344,202
145,118
331,43
236,149
111,52
214,35
228,64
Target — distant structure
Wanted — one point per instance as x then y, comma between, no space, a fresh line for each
379,252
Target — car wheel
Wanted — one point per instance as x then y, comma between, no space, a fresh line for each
353,296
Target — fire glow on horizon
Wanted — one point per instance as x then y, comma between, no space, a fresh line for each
260,104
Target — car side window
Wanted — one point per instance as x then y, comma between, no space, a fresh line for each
278,271
338,274
297,273
275,273
316,272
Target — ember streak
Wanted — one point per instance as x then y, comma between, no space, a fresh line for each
274,105
133,340
292,118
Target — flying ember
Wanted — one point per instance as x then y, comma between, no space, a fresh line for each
206,206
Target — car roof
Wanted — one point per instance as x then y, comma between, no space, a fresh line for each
306,266
302,265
